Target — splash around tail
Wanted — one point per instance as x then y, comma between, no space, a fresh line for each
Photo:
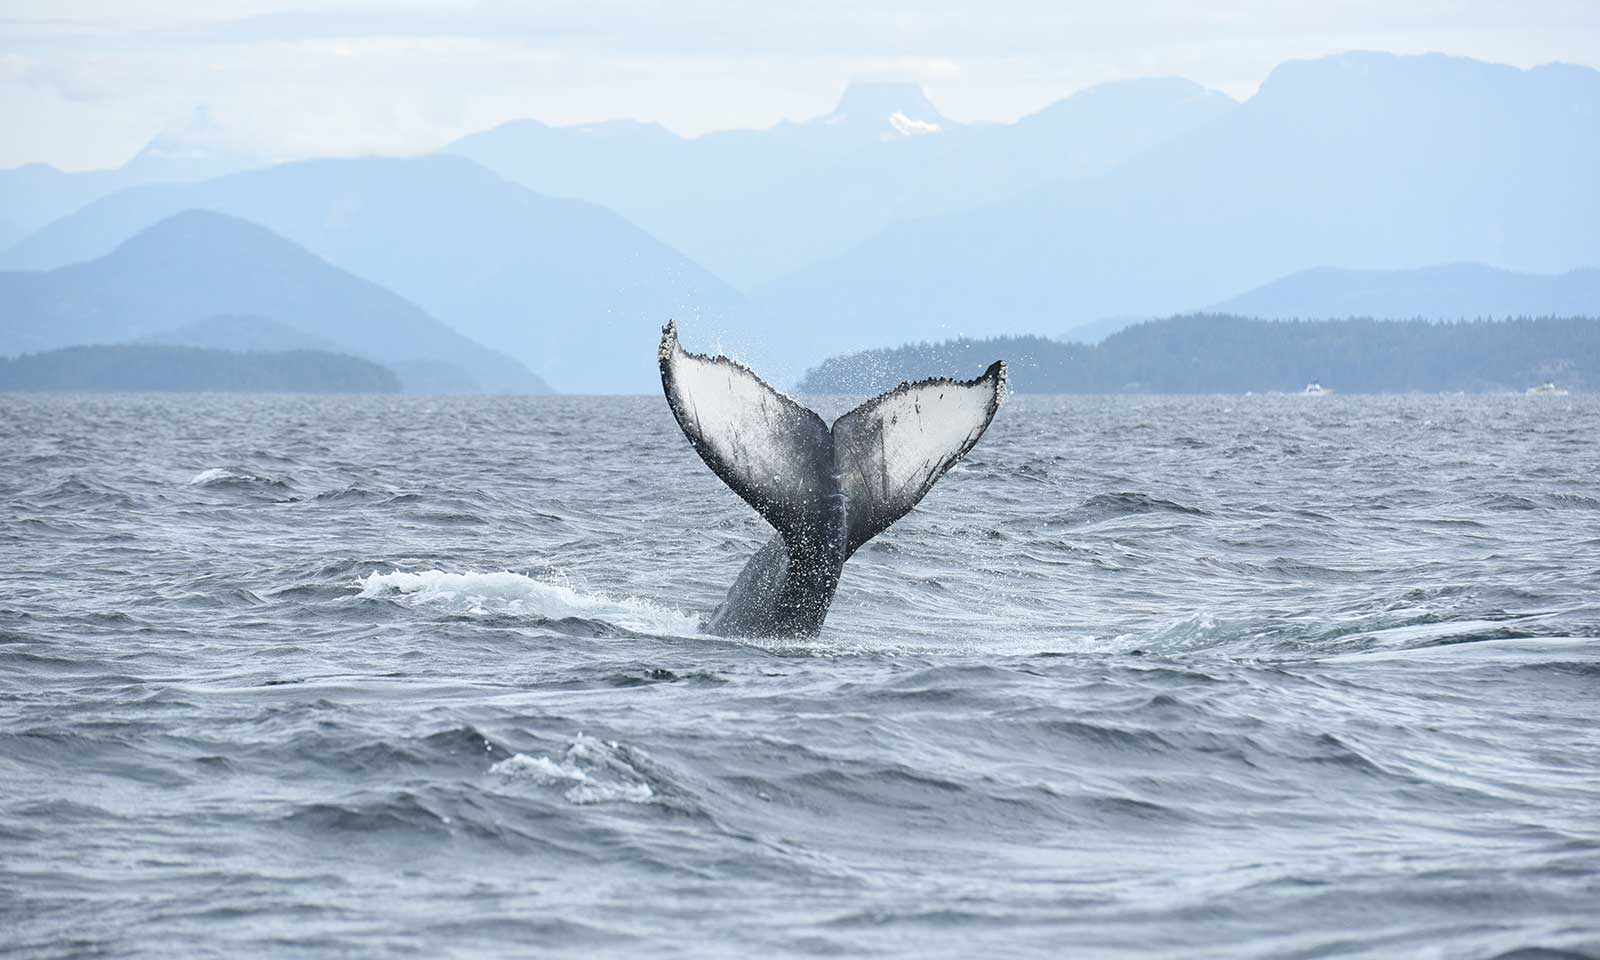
825,490
505,593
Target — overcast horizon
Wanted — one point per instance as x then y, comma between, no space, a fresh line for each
89,85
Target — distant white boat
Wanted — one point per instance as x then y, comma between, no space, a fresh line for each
1547,389
1315,389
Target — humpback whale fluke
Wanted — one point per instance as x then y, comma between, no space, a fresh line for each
826,491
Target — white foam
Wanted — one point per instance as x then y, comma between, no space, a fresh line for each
217,475
515,594
593,771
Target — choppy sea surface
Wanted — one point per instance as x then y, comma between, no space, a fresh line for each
1243,677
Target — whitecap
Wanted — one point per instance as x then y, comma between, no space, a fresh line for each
515,594
592,770
219,475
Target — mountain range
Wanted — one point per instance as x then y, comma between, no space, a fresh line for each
1364,161
753,205
200,269
568,288
1336,189
34,195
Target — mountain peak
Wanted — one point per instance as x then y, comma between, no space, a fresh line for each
1372,75
869,97
208,242
200,137
885,109
198,223
201,148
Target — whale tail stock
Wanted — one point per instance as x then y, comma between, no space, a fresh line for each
844,484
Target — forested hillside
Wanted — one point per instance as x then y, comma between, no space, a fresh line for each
1205,353
158,368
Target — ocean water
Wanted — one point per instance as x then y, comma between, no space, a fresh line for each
1175,677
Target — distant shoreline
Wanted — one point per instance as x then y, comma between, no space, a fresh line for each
161,368
1203,354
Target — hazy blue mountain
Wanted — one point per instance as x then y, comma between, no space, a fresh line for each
241,332
150,367
1033,365
572,290
1458,291
1097,330
755,204
868,113
1224,354
1364,161
199,151
199,265
423,374
645,171
35,194
32,196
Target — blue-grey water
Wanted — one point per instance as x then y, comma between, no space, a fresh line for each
1243,677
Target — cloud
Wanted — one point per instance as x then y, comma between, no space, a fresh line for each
352,76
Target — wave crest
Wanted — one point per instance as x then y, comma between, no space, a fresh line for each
236,477
514,594
593,771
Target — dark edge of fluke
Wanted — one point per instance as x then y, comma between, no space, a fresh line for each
669,339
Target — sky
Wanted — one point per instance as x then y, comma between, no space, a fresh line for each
85,83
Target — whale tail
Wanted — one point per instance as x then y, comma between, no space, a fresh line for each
891,450
876,462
